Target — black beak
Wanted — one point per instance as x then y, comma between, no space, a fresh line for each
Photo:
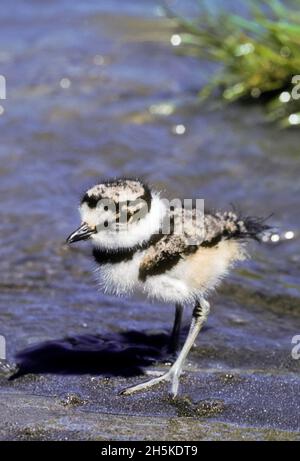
82,233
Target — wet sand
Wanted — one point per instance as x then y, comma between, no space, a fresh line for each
234,387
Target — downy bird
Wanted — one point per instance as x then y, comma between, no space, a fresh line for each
138,247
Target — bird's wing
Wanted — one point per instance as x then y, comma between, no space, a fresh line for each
208,230
163,255
181,238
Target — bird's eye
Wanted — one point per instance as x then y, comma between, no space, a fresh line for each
105,208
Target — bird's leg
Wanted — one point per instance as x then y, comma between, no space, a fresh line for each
175,335
200,314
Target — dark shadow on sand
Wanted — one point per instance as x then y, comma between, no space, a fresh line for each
116,354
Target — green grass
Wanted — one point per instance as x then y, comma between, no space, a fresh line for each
259,55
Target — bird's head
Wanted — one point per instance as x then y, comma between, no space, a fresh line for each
118,214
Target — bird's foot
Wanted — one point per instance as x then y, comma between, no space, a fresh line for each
169,376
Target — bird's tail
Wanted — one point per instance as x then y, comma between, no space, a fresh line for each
257,229
247,227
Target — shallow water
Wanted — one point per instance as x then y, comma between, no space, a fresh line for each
56,141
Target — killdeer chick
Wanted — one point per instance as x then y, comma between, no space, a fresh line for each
139,248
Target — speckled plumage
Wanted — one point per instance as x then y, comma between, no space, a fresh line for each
140,256
181,265
167,251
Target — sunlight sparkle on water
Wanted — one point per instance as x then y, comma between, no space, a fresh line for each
179,129
161,109
275,238
176,40
294,119
284,96
65,83
289,235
